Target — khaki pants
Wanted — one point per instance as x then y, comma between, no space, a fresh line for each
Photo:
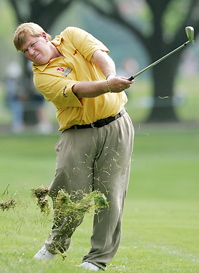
97,158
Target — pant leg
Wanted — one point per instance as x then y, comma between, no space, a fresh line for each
76,153
97,159
111,176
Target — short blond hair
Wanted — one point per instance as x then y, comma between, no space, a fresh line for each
25,30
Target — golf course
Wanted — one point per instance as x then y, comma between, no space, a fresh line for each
56,74
161,217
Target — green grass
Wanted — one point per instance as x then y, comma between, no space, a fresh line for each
161,217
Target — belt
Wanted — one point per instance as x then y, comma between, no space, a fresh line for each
99,123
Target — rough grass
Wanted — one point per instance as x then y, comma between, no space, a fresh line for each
161,217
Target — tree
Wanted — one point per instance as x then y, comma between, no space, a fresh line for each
156,34
157,42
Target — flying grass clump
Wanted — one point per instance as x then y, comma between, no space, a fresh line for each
41,194
69,210
9,204
75,206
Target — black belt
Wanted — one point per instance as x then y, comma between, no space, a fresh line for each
99,123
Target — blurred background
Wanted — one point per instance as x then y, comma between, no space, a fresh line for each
136,32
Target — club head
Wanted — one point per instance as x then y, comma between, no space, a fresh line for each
190,33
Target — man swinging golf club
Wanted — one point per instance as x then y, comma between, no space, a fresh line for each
76,74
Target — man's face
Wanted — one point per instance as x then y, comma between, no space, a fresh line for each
37,49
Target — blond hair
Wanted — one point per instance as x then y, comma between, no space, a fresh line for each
25,30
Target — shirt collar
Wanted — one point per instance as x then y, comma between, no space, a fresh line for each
40,67
57,40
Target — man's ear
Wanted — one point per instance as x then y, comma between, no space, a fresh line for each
44,35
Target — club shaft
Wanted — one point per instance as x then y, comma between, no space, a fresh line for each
158,61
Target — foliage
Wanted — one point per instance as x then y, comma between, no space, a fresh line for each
173,17
165,72
158,26
7,26
43,12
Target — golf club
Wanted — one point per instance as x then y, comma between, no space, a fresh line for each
190,35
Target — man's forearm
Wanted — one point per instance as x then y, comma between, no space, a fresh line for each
90,89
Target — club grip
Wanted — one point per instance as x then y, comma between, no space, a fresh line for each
131,78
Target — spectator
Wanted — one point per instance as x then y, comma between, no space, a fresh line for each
14,96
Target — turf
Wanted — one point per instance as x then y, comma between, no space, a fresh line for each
161,217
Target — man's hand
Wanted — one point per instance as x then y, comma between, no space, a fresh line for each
118,84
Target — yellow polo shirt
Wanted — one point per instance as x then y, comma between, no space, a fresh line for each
56,79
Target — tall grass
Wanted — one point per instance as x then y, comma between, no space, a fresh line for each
161,217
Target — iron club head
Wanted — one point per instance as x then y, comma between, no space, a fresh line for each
190,33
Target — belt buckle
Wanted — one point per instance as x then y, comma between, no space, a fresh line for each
92,125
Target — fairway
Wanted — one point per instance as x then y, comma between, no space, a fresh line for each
161,217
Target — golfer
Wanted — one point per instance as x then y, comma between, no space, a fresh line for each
75,73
